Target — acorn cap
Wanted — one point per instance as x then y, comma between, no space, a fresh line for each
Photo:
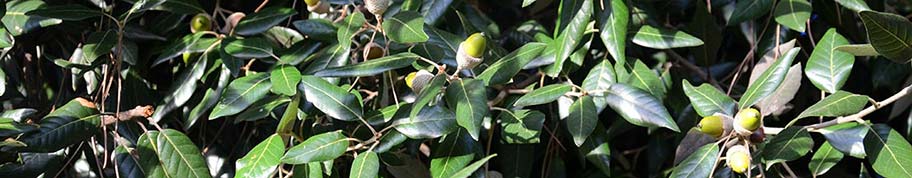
377,7
372,51
418,80
318,7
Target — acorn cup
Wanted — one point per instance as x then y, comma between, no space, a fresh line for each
377,7
372,51
232,21
418,80
747,121
470,52
717,125
200,22
317,6
738,158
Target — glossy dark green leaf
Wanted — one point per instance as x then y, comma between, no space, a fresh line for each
262,108
66,12
890,34
888,152
248,48
192,43
848,138
9,127
790,144
332,56
582,119
148,155
210,98
570,37
348,27
182,89
777,102
127,164
699,164
322,147
431,122
504,69
262,160
704,26
18,114
285,80
824,158
543,95
240,94
18,23
69,124
468,170
284,36
179,156
638,107
859,49
600,78
840,103
427,94
793,14
521,126
471,102
828,68
769,80
452,154
405,27
389,141
643,77
855,5
261,21
333,100
749,10
660,38
708,100
371,67
612,22
434,10
320,29
366,165
99,44
181,6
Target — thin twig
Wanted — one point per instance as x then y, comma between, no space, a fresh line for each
857,117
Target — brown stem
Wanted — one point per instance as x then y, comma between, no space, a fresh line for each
137,112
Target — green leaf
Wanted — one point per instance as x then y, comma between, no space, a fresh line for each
127,164
703,25
769,81
790,144
248,48
828,68
72,12
434,10
840,103
262,160
890,34
192,43
284,36
181,6
452,154
332,56
240,94
371,67
824,158
468,170
147,153
69,124
582,119
543,95
182,89
600,78
348,27
18,115
645,78
708,100
855,5
179,155
285,80
261,21
521,126
749,10
320,29
504,69
888,152
848,138
793,14
366,165
18,23
612,23
9,127
527,3
570,37
322,147
99,44
262,108
859,49
660,38
405,27
471,102
431,122
335,101
699,164
638,107
427,94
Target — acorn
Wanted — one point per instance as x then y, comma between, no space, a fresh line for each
747,121
188,57
317,6
738,158
418,80
377,7
373,51
200,22
471,51
715,125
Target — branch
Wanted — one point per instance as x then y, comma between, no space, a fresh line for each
858,116
137,112
694,68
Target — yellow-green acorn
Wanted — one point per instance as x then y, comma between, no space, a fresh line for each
200,22
377,7
188,57
712,125
417,80
747,121
471,51
317,6
738,158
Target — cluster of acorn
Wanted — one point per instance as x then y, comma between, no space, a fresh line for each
468,56
745,128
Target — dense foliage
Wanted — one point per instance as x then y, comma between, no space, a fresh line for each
455,88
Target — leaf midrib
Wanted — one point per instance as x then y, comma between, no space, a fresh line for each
887,147
179,153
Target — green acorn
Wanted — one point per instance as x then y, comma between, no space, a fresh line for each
418,80
471,51
747,121
317,6
738,158
200,22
